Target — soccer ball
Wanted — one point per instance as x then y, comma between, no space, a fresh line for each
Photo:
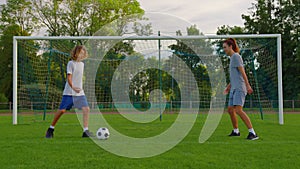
102,133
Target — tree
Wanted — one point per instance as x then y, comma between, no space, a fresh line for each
60,18
252,57
6,53
229,30
271,16
3,98
18,12
82,17
192,52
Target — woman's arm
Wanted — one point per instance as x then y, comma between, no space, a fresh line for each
242,70
227,89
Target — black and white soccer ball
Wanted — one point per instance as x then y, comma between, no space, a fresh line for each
102,133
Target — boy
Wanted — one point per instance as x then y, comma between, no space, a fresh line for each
73,93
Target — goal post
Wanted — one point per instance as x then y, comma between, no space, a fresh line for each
15,80
145,42
280,85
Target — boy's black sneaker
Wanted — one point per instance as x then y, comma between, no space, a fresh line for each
252,136
87,133
49,133
234,134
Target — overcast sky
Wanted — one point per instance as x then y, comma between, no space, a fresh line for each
208,15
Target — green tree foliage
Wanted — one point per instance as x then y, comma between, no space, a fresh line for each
3,98
6,53
59,18
273,16
228,30
18,12
256,54
184,51
82,17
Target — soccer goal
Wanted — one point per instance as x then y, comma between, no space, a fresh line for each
138,72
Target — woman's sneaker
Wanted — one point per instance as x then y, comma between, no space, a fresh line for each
49,133
234,134
252,136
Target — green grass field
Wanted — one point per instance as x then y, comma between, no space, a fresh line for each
24,145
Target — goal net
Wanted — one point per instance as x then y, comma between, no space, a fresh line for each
139,74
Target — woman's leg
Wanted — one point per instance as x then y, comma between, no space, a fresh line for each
234,121
244,116
252,135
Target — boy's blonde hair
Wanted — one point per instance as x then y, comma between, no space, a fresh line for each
76,50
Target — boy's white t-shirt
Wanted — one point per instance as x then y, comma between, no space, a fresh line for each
76,69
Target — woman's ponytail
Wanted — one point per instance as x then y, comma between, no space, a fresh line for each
232,42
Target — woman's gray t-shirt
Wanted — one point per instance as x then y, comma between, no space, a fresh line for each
236,79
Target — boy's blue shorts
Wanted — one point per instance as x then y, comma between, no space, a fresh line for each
237,98
68,102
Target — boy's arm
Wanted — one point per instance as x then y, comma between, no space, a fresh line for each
69,78
242,70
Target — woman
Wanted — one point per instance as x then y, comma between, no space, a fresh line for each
238,88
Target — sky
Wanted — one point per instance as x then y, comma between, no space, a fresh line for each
208,15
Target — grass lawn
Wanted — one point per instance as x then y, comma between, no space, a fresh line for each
24,145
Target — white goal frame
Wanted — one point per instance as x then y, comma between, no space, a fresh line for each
15,57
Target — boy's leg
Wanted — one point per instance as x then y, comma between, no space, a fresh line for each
86,132
86,112
66,104
50,131
57,116
80,102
